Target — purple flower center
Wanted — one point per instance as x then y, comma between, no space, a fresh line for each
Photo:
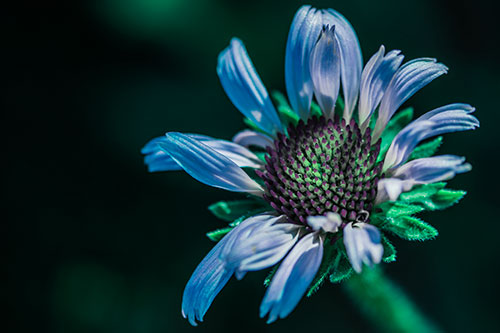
322,166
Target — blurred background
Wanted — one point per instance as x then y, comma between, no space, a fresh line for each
97,244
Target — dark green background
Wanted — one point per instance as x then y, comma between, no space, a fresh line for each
96,244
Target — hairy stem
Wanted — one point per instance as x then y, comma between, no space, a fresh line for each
385,304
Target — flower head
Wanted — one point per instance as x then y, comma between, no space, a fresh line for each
325,181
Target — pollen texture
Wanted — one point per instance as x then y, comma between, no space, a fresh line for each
321,166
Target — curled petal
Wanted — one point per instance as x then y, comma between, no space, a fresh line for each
449,118
376,76
304,31
330,222
244,88
325,70
207,165
420,171
292,278
159,160
409,78
247,138
362,244
351,58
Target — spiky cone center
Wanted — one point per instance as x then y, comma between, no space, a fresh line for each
322,166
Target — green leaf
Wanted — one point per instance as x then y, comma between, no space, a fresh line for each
410,228
231,210
395,125
426,149
443,199
330,254
343,270
389,250
216,235
421,193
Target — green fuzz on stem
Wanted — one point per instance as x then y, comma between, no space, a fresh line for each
385,304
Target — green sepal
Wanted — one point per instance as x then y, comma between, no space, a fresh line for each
269,276
315,110
395,125
330,254
389,250
339,107
426,149
443,199
231,210
409,228
396,209
421,193
343,270
253,126
286,114
216,235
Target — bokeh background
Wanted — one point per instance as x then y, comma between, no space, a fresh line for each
96,244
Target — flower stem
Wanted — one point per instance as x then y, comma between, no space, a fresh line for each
385,304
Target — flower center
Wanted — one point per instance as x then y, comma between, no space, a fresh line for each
322,166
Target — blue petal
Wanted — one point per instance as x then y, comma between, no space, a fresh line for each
292,278
449,118
213,273
207,165
420,171
206,282
263,245
432,169
325,70
362,244
158,160
304,31
410,78
376,76
351,58
244,87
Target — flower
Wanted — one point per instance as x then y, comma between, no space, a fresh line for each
325,181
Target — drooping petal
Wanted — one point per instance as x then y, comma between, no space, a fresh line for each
330,222
213,273
325,70
420,171
292,278
262,246
351,58
449,118
375,78
206,282
304,31
409,78
245,89
247,138
207,165
362,244
158,160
